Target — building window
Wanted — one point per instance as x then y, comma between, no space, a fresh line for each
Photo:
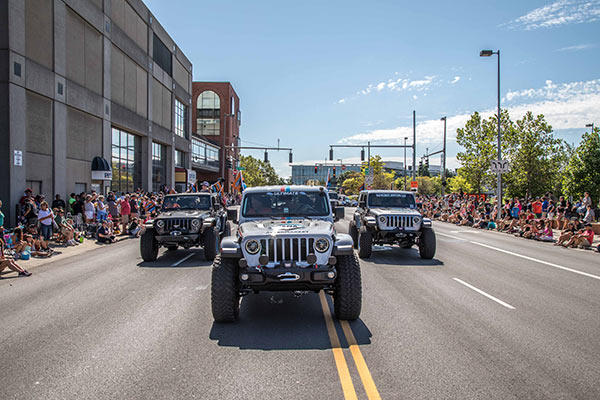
180,119
159,166
180,160
126,161
205,154
162,56
208,113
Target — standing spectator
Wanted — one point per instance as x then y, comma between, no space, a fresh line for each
46,220
101,209
113,208
29,211
125,213
26,195
89,209
58,202
134,208
72,200
536,207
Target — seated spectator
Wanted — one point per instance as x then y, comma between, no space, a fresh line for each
590,216
10,264
58,202
135,227
17,240
36,248
566,234
104,233
583,238
547,234
65,228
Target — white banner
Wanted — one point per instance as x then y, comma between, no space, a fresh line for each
102,175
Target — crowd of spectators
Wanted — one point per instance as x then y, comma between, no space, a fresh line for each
532,218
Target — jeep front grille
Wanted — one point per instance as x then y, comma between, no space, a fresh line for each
287,249
179,224
399,221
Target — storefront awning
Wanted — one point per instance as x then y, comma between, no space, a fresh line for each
101,170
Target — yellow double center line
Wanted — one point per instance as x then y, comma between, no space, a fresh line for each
340,360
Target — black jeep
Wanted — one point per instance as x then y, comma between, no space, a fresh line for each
186,220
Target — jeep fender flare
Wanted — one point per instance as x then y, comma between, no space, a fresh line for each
344,245
230,248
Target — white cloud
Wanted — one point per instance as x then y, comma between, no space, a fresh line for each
397,85
341,101
561,12
565,106
455,80
577,47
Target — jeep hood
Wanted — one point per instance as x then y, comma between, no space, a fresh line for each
183,214
393,211
298,226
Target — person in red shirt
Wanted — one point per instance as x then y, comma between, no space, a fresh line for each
584,237
536,207
125,213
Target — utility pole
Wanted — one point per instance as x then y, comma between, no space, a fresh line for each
405,139
414,171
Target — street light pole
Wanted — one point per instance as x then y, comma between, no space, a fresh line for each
444,160
489,53
405,162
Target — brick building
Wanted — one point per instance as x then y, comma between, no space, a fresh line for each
216,124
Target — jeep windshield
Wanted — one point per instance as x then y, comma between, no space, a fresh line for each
333,196
392,200
285,204
187,202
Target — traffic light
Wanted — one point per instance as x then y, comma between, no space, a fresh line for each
266,156
334,170
316,168
228,164
362,155
331,154
427,163
291,158
420,165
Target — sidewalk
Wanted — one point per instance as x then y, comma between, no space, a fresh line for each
61,253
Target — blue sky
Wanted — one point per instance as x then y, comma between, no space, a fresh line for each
314,73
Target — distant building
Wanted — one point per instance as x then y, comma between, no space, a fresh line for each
216,124
303,173
89,84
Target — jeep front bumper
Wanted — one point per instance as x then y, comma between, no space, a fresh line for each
282,278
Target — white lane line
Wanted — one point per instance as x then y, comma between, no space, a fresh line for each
524,257
183,259
489,296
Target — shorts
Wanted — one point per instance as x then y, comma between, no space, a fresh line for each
125,218
538,215
89,215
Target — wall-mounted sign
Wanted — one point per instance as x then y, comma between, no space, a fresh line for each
18,158
191,176
102,175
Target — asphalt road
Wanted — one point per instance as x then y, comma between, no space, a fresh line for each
491,317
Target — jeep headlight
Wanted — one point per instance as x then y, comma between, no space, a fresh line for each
252,246
321,245
416,220
160,225
195,225
382,219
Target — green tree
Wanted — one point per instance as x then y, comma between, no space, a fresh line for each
478,138
583,171
459,183
535,157
259,172
352,182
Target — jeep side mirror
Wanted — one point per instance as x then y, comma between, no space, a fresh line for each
232,215
339,212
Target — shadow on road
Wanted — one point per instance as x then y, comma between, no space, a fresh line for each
395,256
172,259
280,321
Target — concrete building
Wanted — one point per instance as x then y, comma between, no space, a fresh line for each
81,79
302,173
216,127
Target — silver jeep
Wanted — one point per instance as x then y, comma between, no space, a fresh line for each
286,241
390,217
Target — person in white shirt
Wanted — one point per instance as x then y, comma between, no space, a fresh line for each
46,220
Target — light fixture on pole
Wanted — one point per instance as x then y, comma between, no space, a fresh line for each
590,126
444,159
489,53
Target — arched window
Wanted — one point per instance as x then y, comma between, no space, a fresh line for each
208,109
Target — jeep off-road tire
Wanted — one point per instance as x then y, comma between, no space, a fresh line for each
148,246
172,247
347,298
427,244
365,243
211,243
224,297
353,232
